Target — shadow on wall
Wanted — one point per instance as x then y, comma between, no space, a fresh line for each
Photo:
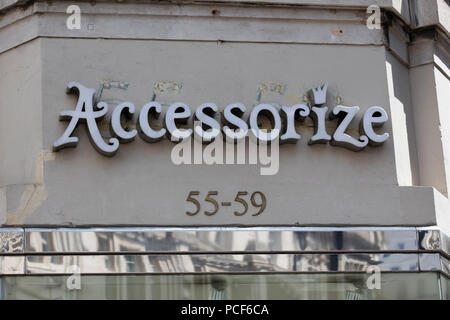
402,122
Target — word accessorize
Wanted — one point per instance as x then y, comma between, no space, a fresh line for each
207,126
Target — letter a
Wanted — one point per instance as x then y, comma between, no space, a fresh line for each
85,100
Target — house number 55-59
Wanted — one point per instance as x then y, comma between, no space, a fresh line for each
257,199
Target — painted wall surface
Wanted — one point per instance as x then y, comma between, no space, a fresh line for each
319,184
403,117
443,99
428,128
20,128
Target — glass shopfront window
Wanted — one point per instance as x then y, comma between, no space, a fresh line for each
445,282
343,286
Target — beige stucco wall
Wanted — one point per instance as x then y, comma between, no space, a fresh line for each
443,101
21,121
20,124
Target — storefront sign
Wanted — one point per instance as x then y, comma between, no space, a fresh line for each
231,123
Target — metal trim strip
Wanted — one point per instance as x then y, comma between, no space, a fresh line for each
220,239
219,263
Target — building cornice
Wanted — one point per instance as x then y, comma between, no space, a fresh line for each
166,21
399,7
416,13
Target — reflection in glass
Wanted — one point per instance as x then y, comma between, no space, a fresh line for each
341,286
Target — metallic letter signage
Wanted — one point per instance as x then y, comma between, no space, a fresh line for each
230,122
85,111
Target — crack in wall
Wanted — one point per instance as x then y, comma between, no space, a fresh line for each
34,194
